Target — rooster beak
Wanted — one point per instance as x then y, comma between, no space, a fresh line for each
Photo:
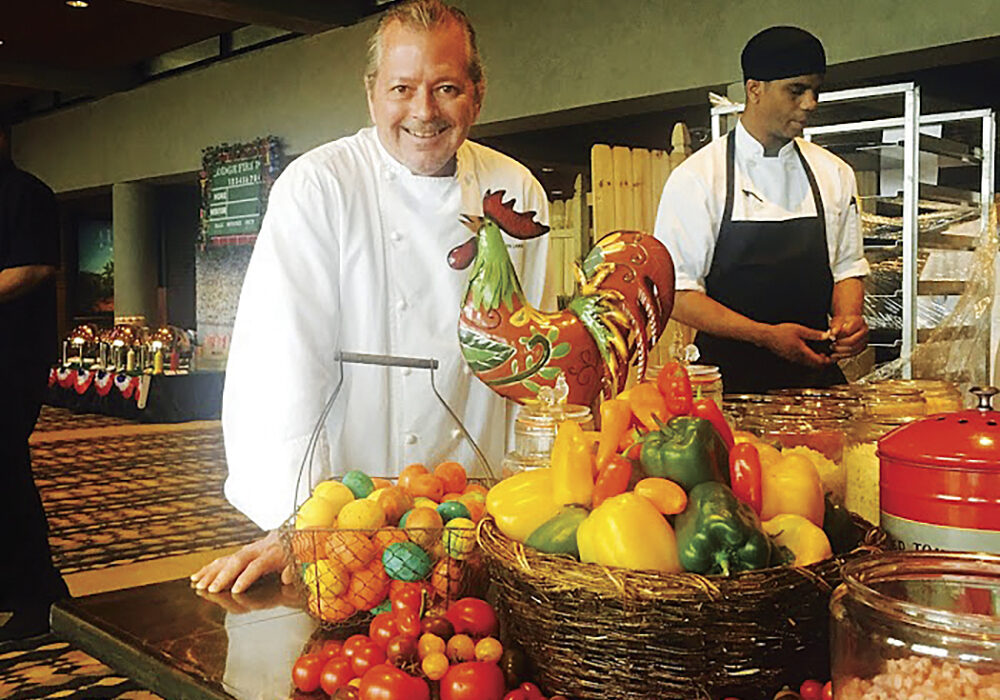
460,257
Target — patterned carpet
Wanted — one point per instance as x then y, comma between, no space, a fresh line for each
52,419
120,499
45,667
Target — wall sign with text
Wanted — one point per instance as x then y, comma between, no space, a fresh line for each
235,181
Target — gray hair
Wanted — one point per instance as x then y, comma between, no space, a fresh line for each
424,15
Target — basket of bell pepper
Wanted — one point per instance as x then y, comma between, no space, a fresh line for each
657,537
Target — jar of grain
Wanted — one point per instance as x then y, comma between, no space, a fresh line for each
917,625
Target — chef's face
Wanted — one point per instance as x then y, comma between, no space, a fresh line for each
786,105
422,99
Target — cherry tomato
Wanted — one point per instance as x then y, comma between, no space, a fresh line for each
532,691
811,690
461,648
828,690
348,692
401,649
383,627
435,666
517,694
430,644
473,680
383,682
352,643
408,623
330,649
366,657
514,665
406,595
489,649
306,672
474,617
337,673
440,626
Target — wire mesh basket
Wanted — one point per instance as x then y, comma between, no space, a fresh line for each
357,536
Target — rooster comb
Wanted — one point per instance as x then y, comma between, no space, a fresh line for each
517,224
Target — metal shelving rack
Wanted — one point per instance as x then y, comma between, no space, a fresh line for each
909,147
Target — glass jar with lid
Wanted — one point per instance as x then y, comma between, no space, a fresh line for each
889,399
736,407
824,430
861,463
940,395
917,625
535,429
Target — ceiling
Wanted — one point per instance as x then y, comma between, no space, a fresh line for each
53,54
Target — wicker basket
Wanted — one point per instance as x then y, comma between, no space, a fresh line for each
598,632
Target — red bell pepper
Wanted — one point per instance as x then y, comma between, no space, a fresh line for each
745,475
612,479
709,410
675,385
615,419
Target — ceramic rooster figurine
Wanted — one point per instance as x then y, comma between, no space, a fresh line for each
625,296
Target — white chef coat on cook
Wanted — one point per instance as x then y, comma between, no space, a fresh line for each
766,189
352,255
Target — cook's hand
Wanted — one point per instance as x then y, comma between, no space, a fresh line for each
788,340
241,569
850,336
238,603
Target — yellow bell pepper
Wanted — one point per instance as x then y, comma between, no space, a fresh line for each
627,531
572,466
520,503
791,485
806,541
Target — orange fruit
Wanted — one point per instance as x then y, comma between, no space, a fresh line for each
446,578
476,488
394,501
452,475
386,536
428,486
477,509
380,483
410,471
368,587
453,496
330,609
352,550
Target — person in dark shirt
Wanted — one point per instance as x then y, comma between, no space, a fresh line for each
29,255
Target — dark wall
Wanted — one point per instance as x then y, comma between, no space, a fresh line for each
178,215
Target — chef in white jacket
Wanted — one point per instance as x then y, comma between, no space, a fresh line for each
352,255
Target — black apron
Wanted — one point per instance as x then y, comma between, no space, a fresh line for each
772,272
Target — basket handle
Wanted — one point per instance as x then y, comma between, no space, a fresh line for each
357,358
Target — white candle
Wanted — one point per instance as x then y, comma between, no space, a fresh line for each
130,360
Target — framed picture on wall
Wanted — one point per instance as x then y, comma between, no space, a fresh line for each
95,280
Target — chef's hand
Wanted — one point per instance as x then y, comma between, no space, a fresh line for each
788,340
241,569
850,336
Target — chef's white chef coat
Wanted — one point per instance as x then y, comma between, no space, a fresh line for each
766,189
352,255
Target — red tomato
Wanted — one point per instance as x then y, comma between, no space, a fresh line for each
306,672
401,649
408,622
811,690
331,648
383,682
336,674
532,691
828,690
383,628
353,643
517,694
473,617
406,595
473,680
366,657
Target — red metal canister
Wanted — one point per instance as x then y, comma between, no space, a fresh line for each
940,480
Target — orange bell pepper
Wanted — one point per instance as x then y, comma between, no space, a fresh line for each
572,466
615,418
648,405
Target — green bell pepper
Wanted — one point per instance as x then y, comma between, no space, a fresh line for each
719,534
686,450
558,534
